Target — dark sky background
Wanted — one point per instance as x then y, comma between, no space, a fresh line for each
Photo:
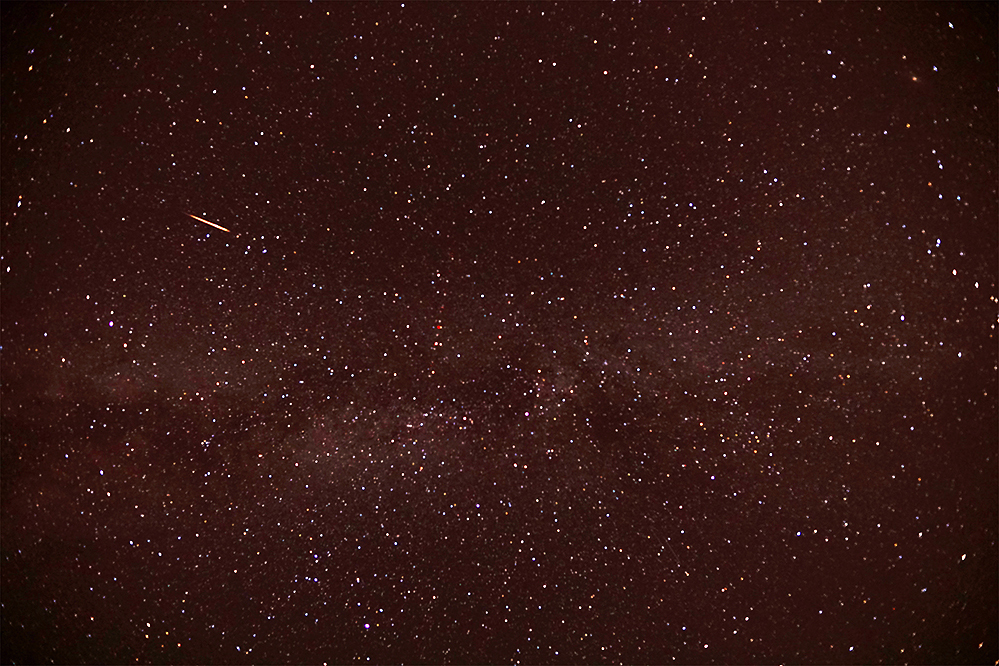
543,333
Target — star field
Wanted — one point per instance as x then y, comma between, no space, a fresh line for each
542,333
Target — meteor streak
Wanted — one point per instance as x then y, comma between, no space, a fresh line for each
211,224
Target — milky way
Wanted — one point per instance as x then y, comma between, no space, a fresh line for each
550,333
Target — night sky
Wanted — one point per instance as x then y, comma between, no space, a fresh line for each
543,333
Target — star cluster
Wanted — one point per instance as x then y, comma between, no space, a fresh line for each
548,333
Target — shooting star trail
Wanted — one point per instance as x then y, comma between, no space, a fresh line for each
211,224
